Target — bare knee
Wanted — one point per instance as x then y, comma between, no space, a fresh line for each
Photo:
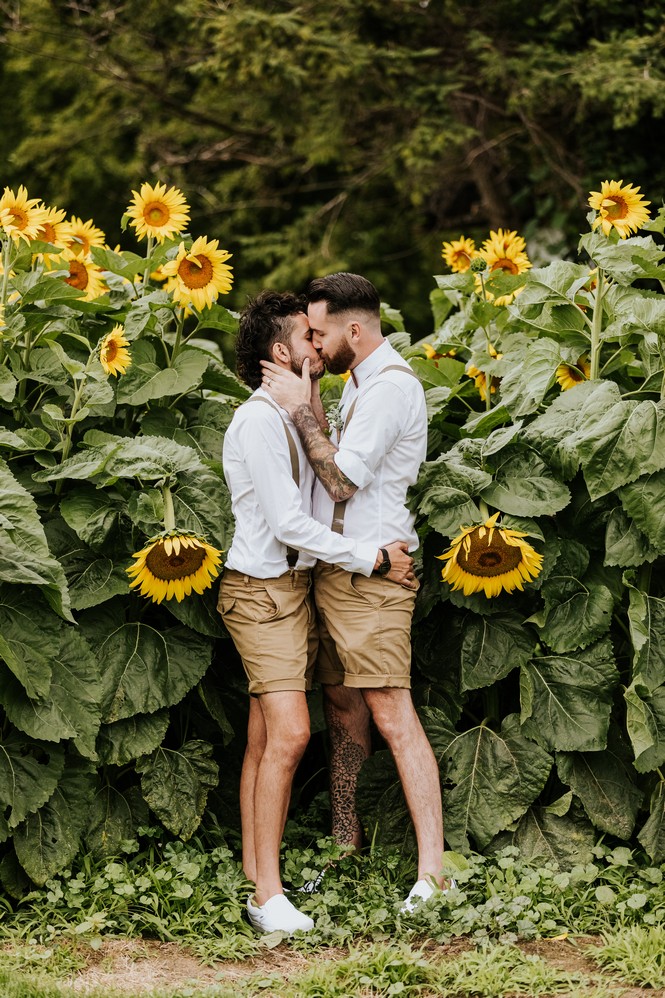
393,713
288,741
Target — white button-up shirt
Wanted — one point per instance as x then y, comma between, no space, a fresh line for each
380,450
271,512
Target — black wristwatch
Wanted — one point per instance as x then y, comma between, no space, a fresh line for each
385,565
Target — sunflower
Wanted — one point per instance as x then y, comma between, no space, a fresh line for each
201,273
432,353
113,352
487,559
53,230
459,253
20,216
480,378
620,207
174,564
158,212
83,275
504,250
81,236
569,375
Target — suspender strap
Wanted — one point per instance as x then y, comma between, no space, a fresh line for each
291,553
337,525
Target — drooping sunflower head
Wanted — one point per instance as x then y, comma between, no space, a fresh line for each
81,236
84,275
459,253
174,564
158,212
490,559
201,273
619,207
569,375
20,216
480,377
113,352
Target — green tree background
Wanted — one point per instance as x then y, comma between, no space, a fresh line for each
312,137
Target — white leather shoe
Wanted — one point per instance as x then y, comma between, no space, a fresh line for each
421,891
278,915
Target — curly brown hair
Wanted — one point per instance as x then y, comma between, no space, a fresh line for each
264,321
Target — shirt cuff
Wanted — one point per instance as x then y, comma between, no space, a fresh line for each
354,468
365,557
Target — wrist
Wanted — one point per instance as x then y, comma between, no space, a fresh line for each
383,566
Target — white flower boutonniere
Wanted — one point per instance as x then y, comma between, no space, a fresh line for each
334,417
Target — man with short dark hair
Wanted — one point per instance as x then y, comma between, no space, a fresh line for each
264,596
362,479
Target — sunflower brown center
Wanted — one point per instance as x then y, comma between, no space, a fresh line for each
110,351
78,275
174,566
617,207
505,264
491,559
19,218
195,275
47,232
156,213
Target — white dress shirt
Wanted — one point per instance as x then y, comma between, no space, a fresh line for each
380,450
271,512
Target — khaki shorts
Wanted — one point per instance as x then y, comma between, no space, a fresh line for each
273,626
364,629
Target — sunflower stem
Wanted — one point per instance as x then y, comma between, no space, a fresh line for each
69,431
596,327
148,254
643,581
169,514
484,510
661,350
180,322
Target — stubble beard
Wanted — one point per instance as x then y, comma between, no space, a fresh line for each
315,373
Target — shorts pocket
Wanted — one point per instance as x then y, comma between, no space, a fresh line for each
368,590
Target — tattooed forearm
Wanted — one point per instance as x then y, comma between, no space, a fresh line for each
321,454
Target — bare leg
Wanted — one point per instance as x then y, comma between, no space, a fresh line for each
348,726
256,743
396,719
287,732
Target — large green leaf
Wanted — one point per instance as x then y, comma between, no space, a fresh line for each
209,426
48,839
492,647
531,375
115,816
70,709
652,834
567,699
125,740
627,443
91,513
557,282
95,582
24,551
143,669
145,380
147,458
202,504
603,782
625,544
200,613
26,645
24,440
524,486
445,490
544,836
645,721
8,385
29,773
496,776
556,434
646,617
644,501
176,783
578,610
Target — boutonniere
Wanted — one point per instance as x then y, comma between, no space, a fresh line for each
334,417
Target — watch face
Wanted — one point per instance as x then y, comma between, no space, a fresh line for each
384,567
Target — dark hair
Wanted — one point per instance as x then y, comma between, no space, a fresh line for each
264,321
345,292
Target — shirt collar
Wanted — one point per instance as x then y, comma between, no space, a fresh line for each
371,364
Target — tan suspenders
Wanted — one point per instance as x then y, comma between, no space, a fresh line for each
291,553
337,525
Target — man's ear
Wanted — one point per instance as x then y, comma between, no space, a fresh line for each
280,352
355,330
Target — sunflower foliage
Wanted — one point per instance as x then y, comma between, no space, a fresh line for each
114,398
539,636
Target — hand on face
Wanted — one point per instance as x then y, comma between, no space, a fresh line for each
287,389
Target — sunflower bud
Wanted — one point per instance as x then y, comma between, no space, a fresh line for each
478,265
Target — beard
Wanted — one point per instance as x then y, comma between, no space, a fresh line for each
340,361
316,368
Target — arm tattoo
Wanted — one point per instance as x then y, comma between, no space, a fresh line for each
321,454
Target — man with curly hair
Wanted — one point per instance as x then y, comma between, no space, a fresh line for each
265,597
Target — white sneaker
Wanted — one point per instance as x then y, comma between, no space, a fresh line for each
421,891
278,915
